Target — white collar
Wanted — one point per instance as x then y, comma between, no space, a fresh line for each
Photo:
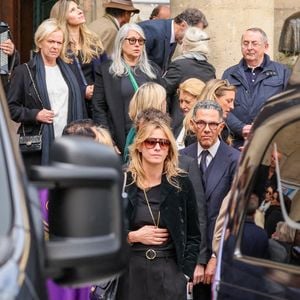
212,150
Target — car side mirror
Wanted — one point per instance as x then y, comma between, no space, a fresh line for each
86,217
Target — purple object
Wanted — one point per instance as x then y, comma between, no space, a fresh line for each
56,292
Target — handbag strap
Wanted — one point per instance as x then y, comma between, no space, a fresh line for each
38,95
132,79
33,84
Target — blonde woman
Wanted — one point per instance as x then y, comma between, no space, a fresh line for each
221,91
163,223
83,48
188,93
149,94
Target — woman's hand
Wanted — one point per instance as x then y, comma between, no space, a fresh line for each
210,270
89,91
149,235
45,116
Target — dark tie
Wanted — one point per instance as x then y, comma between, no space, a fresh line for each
172,49
203,165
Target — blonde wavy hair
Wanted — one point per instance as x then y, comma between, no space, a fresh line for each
90,44
149,94
216,88
170,168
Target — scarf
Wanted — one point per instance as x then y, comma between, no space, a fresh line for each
193,55
76,108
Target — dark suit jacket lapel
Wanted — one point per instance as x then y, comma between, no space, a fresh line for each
216,169
191,150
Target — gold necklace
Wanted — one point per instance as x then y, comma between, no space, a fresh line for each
150,211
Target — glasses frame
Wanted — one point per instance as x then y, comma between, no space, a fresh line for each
151,143
209,124
132,41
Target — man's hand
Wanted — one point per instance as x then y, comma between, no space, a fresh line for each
8,47
198,274
246,130
210,270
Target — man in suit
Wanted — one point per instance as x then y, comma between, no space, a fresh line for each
217,163
162,36
117,13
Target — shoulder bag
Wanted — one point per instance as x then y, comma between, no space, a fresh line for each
31,143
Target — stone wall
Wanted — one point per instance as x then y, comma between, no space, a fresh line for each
227,21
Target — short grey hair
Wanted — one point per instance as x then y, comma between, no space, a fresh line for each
118,67
256,29
208,104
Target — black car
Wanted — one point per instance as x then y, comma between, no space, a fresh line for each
260,258
86,222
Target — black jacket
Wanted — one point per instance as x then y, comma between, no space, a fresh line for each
108,103
180,214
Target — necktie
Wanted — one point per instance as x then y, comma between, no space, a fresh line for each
203,164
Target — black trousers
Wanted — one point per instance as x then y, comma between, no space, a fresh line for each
155,279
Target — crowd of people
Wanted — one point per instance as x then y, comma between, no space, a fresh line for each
177,128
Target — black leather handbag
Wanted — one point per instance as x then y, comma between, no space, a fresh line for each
31,143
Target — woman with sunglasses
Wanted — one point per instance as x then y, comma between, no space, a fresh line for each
163,223
117,81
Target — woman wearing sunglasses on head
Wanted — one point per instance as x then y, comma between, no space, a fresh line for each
117,81
163,223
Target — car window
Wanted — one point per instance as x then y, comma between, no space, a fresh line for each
5,197
267,232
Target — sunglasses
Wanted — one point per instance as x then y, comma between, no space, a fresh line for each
151,143
133,40
202,124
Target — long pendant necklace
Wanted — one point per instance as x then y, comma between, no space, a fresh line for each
150,211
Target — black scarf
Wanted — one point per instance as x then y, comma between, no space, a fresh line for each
76,106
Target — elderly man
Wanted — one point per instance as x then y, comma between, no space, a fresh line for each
160,12
163,35
117,13
217,163
257,78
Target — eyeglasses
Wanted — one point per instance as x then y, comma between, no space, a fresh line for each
151,143
202,124
132,41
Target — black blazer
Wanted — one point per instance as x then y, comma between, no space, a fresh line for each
190,165
158,38
218,178
108,104
179,71
179,213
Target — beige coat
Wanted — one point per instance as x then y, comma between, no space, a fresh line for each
106,28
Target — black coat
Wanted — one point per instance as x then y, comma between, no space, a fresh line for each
180,214
108,103
179,71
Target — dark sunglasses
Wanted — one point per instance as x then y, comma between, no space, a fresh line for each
132,41
202,124
151,143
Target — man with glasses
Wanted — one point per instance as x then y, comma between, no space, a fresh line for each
217,164
257,78
163,35
117,13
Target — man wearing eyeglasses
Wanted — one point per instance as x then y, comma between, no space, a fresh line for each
117,13
163,35
257,78
217,164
